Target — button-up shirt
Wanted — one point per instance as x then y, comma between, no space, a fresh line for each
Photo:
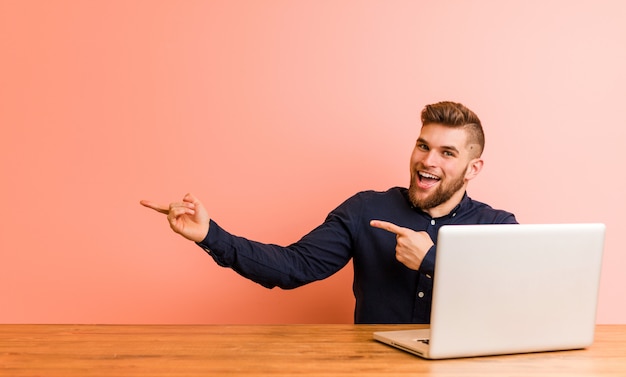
386,291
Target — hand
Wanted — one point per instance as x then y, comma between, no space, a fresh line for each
411,246
187,218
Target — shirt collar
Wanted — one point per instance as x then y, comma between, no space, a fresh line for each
462,206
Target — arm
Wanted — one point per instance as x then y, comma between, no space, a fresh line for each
318,255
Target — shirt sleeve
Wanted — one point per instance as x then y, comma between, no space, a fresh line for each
428,263
319,254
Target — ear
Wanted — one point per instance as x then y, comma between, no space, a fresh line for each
473,168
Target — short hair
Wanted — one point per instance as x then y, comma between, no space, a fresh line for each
454,114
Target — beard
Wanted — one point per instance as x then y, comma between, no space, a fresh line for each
442,194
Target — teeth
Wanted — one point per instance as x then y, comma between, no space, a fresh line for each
426,175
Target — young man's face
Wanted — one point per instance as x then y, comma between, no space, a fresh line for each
441,165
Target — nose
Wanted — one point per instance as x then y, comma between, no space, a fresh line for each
430,159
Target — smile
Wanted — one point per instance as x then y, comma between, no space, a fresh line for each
427,176
426,181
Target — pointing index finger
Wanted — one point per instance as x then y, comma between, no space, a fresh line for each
155,206
386,225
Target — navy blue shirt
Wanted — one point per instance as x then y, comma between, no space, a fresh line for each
386,291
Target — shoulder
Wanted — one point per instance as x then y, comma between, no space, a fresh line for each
484,213
372,201
372,196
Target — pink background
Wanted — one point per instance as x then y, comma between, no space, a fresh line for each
274,112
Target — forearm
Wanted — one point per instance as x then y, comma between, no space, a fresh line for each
314,257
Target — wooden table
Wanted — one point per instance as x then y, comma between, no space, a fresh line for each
270,350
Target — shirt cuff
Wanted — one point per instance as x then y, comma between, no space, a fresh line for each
211,244
428,263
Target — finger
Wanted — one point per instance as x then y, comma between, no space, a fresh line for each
177,209
190,198
177,212
157,207
390,227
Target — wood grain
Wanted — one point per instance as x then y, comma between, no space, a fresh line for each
264,350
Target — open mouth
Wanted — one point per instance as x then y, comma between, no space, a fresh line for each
427,180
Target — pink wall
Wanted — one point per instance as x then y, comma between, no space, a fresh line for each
273,112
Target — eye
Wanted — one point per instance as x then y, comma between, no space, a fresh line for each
448,154
422,146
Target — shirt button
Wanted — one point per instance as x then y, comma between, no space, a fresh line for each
432,222
420,294
428,276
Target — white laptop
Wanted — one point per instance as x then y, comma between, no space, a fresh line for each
504,289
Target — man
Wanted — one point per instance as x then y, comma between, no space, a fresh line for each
390,236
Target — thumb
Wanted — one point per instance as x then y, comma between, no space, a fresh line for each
190,198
